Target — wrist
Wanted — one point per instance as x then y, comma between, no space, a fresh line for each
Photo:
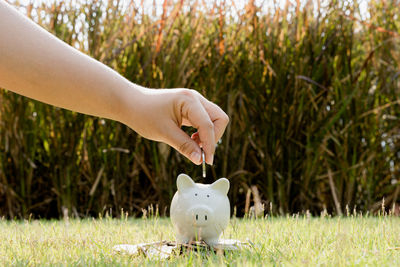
129,101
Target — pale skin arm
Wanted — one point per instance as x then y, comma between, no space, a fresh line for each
36,64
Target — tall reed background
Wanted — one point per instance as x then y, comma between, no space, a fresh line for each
312,91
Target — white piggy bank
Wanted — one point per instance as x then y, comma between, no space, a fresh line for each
200,211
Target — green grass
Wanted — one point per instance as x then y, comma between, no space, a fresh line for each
296,240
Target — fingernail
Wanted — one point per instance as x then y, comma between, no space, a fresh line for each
212,159
195,157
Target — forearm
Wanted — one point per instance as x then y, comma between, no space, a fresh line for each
36,64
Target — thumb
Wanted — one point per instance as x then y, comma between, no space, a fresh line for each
179,140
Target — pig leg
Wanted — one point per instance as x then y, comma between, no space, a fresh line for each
181,239
211,241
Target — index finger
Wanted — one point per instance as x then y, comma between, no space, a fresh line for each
219,118
199,118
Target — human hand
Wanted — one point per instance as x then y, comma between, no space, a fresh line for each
48,70
158,114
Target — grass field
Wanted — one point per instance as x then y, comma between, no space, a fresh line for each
296,240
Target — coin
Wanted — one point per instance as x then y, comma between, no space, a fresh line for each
204,163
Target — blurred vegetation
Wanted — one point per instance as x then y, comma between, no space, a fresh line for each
312,93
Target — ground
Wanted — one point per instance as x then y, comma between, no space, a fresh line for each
292,240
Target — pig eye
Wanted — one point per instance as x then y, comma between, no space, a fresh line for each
195,194
208,195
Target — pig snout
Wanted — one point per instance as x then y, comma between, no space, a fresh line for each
200,215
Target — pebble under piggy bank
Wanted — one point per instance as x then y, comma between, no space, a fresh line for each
200,211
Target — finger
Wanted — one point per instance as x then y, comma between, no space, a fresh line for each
219,118
200,119
195,137
179,140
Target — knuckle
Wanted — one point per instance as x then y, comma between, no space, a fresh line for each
209,126
185,147
186,96
225,119
188,93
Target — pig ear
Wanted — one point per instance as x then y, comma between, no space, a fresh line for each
221,185
184,181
